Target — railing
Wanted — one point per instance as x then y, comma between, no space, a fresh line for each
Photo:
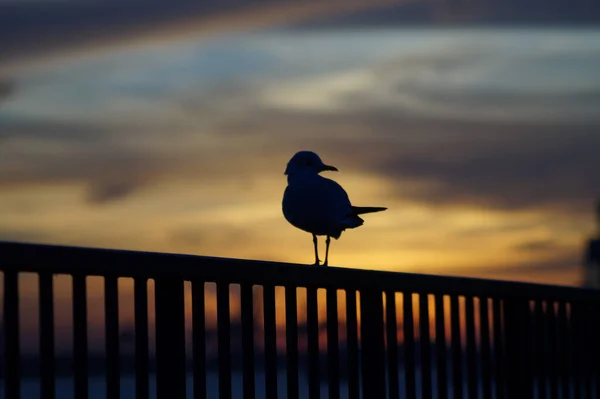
397,335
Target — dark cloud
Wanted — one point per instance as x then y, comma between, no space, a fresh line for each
112,191
506,166
202,238
109,171
68,132
564,264
7,88
510,169
37,26
501,166
511,227
400,13
23,235
441,162
537,246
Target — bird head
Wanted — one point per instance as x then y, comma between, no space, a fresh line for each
307,162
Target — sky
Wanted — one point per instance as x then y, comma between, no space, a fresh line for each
482,142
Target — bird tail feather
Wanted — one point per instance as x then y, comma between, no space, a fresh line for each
359,210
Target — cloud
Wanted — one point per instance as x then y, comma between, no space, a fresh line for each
504,166
508,227
91,157
537,246
438,162
22,235
522,168
7,88
203,237
112,164
112,191
68,132
561,269
472,80
237,129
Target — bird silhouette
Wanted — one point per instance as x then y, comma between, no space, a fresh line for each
318,205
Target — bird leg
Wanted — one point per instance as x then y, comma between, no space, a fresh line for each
327,242
317,261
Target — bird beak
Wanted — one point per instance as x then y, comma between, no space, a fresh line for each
329,167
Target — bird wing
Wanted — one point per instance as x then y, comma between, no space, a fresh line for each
335,195
317,205
341,211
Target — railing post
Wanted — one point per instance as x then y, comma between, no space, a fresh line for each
170,339
517,344
12,336
372,344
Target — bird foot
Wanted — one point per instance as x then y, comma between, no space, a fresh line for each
317,263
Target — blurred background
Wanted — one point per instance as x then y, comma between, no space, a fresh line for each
166,126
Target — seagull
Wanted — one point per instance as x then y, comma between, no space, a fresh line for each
318,205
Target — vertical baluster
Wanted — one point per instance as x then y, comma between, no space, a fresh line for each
291,341
563,349
247,310
12,352
499,355
551,353
224,344
312,325
409,346
170,337
486,371
140,297
47,357
540,342
588,358
457,375
425,343
528,342
440,344
199,339
595,348
576,354
111,308
333,356
517,331
80,341
471,359
270,342
352,345
392,344
372,344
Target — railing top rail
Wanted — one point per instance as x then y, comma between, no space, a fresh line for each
55,259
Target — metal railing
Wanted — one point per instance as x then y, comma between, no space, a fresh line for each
397,335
